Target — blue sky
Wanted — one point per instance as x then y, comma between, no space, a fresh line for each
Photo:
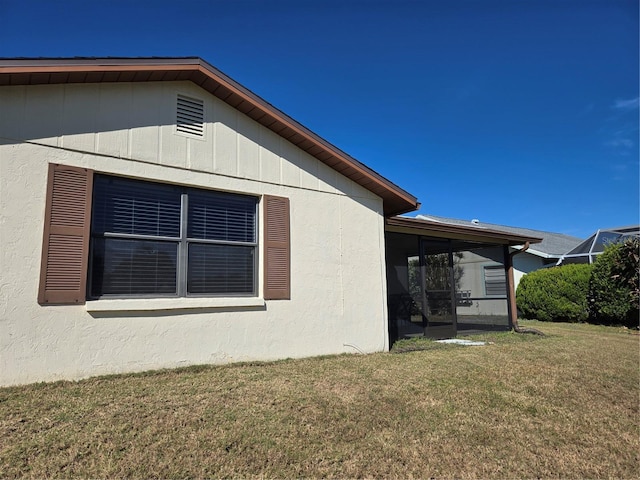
521,113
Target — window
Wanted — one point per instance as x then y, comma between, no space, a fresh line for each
151,239
156,240
495,281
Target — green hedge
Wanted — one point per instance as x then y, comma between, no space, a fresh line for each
557,294
614,291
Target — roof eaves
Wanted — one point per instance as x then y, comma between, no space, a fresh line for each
301,129
553,244
426,226
538,253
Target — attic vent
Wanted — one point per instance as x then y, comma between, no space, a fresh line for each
190,116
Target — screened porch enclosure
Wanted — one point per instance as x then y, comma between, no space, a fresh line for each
439,287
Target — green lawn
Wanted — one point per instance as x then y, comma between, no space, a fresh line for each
565,405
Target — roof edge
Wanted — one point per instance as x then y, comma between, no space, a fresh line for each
427,226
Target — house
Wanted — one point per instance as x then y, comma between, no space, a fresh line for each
544,254
155,213
588,251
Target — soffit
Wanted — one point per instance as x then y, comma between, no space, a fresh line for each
96,70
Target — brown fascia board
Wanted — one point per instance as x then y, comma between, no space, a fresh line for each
23,71
425,227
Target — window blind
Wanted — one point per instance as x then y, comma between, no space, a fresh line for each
220,216
123,206
158,239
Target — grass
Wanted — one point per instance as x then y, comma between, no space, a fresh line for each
564,405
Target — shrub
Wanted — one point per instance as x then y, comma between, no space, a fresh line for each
614,293
557,294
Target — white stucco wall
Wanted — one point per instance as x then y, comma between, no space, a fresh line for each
524,263
473,280
338,282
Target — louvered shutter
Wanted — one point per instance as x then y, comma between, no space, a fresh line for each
277,277
65,249
495,281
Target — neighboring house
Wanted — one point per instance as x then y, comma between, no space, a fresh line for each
546,253
588,251
155,213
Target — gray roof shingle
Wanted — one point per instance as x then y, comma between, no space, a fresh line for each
553,245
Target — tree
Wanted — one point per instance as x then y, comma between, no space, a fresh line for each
614,291
557,294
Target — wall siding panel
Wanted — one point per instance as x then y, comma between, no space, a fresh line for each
290,164
79,113
248,148
113,120
41,100
270,152
308,171
225,148
146,117
12,126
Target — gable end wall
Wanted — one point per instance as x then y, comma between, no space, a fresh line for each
337,301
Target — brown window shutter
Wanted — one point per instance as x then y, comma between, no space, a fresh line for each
65,249
277,267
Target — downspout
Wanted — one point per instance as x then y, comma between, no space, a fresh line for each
513,308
